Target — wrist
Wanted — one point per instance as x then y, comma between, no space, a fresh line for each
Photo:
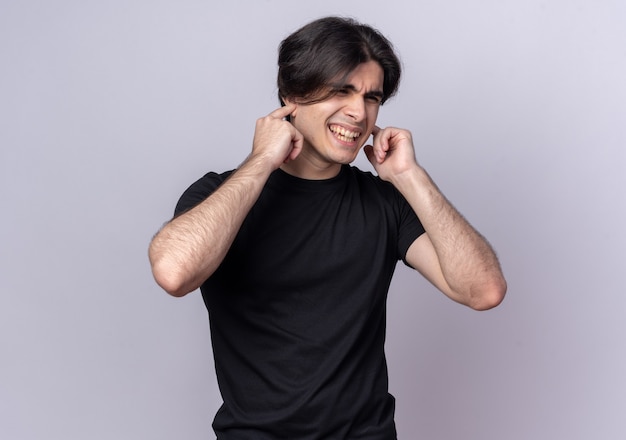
257,164
413,177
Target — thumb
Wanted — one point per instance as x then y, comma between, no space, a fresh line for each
297,142
369,152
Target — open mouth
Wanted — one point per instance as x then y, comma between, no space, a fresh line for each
343,134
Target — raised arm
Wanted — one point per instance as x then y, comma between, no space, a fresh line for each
188,249
452,254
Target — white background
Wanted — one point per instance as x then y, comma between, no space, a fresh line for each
109,110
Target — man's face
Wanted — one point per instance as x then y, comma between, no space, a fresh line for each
335,129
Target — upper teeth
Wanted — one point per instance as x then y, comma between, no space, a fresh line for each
343,132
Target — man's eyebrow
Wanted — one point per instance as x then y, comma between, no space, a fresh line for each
375,94
352,88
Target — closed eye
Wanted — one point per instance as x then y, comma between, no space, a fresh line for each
374,99
343,91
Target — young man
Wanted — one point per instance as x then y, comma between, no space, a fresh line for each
294,250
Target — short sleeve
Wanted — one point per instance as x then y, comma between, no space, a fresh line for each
410,227
199,191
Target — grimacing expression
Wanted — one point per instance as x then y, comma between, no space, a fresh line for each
336,128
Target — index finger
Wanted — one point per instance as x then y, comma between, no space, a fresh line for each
283,112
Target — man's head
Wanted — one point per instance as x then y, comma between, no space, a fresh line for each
315,61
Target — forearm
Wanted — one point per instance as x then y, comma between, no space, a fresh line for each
188,249
468,263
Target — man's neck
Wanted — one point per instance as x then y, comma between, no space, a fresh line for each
304,168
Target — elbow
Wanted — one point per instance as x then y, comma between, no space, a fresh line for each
169,277
168,281
490,295
171,286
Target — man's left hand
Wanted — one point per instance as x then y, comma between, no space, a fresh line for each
392,152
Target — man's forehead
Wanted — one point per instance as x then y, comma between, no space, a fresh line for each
368,76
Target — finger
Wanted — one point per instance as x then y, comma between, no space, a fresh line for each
283,112
297,142
381,144
369,153
379,134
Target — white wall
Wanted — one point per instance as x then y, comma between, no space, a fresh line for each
108,110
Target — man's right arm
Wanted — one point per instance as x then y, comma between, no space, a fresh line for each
188,249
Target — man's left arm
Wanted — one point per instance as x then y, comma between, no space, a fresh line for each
452,255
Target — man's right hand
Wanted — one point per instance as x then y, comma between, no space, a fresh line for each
276,139
188,249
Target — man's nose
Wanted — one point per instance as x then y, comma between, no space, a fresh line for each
355,107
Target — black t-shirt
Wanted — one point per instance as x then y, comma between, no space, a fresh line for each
297,308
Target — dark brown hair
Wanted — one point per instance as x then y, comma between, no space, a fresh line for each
325,51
